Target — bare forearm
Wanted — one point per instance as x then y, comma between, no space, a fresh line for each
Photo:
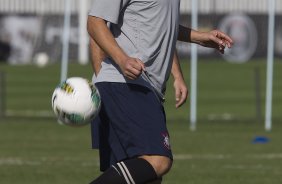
176,68
180,87
211,39
130,67
99,32
97,56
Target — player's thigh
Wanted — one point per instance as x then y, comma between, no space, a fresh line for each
161,164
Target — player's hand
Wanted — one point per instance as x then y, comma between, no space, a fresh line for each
132,68
216,39
181,92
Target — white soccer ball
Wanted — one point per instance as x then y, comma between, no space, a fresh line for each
76,101
41,59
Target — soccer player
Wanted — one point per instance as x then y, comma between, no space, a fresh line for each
138,39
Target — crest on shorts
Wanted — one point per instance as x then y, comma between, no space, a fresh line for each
166,141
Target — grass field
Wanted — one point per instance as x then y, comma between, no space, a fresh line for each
34,149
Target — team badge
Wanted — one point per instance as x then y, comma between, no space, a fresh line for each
166,140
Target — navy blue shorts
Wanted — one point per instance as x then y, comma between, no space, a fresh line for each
131,123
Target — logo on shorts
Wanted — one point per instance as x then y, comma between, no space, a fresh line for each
166,140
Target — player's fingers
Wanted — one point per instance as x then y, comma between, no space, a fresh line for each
177,94
135,71
141,64
136,64
182,97
217,41
219,44
225,38
132,69
130,75
180,102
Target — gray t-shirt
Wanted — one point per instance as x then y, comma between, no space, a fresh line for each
144,29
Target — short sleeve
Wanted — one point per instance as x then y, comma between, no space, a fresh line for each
108,10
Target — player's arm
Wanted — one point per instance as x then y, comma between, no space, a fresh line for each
212,39
97,56
98,31
181,91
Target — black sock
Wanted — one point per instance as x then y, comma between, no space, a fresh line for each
110,176
133,171
158,181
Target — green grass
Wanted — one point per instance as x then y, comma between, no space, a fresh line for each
41,151
36,150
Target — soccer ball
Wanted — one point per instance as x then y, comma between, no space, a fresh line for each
41,59
76,101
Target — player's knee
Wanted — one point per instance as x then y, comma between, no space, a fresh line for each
161,164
